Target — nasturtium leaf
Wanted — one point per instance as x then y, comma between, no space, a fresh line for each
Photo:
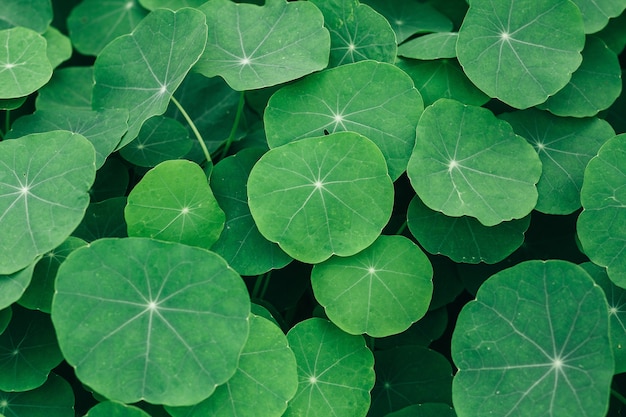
59,47
613,34
24,65
253,46
321,196
601,227
375,99
240,243
55,398
170,4
103,219
534,342
12,103
466,162
596,13
104,128
92,24
565,146
33,14
44,183
140,71
174,202
160,139
616,298
144,319
335,369
409,17
380,291
38,295
464,239
409,375
442,78
593,87
425,410
357,32
115,409
28,351
265,380
431,46
69,88
12,286
423,333
508,50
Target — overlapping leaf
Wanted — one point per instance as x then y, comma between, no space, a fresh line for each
432,46
55,398
33,14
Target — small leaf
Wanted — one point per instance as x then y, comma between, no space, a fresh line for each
12,286
32,14
432,46
596,13
55,398
59,47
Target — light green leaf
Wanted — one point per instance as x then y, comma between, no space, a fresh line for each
425,410
265,380
55,398
12,103
336,371
432,46
140,71
44,183
374,99
174,202
95,23
507,51
115,409
565,146
596,13
241,244
380,291
12,286
127,314
464,239
321,196
170,4
601,226
59,47
593,87
33,14
466,162
534,342
24,65
254,46
357,32
69,87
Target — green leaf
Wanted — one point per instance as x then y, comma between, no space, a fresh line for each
170,4
140,71
103,219
423,333
380,291
266,378
254,46
160,139
24,65
565,146
59,47
174,202
95,23
534,342
601,226
432,46
5,318
55,398
12,286
44,179
38,295
33,14
115,409
357,32
12,103
69,87
464,239
321,196
593,87
127,314
507,50
425,410
241,244
596,13
466,162
28,351
374,99
613,35
335,369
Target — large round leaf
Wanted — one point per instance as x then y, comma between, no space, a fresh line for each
55,398
141,319
534,342
374,99
44,183
509,50
466,162
321,196
380,291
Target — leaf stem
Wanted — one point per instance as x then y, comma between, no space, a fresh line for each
401,228
193,127
619,396
233,130
261,284
7,124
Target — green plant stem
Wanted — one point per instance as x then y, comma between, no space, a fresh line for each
261,284
619,396
401,228
233,130
7,124
193,127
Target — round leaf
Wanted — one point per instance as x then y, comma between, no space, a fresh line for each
174,202
374,99
596,13
466,162
127,313
336,371
59,47
55,398
115,409
380,291
33,14
321,196
69,87
44,183
432,46
12,286
508,48
534,342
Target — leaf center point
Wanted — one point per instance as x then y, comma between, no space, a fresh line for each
557,363
313,380
244,61
452,164
318,184
505,36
